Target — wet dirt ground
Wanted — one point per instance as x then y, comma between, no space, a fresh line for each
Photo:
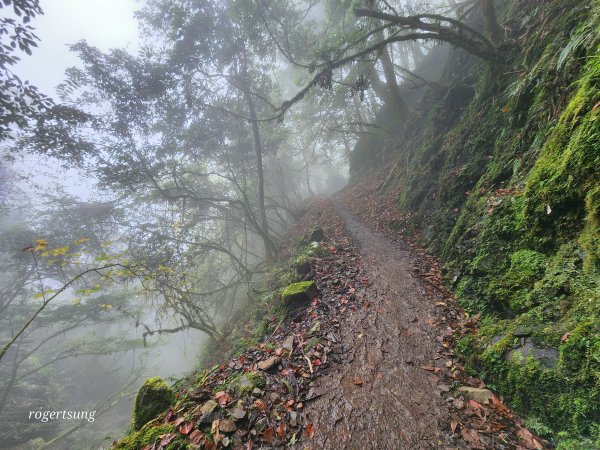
382,393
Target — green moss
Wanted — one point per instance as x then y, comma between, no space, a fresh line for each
242,384
590,236
149,435
509,196
298,289
154,397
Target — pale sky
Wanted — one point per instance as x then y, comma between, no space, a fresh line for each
105,24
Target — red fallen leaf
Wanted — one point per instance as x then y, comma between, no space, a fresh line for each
528,440
500,406
281,430
222,397
310,430
316,362
165,439
260,405
196,437
187,427
357,381
268,435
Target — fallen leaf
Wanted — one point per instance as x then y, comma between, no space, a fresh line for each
431,369
187,427
222,397
310,430
165,439
565,337
471,436
357,381
281,430
179,421
453,425
260,405
528,440
196,437
268,435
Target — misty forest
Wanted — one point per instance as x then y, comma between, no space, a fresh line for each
304,224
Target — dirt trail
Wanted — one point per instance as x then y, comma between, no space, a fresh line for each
379,396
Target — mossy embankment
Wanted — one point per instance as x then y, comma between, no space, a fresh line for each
507,191
161,413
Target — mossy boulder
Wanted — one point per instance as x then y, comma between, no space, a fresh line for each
153,398
299,294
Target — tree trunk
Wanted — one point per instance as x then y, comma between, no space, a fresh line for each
490,22
388,70
258,150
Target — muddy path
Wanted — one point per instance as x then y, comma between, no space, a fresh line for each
383,393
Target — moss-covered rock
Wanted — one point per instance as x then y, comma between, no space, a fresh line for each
299,294
154,397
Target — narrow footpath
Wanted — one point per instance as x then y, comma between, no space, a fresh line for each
388,388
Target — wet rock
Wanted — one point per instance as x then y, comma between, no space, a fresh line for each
317,235
476,394
227,426
207,418
547,357
209,407
305,270
270,363
288,344
238,413
256,392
